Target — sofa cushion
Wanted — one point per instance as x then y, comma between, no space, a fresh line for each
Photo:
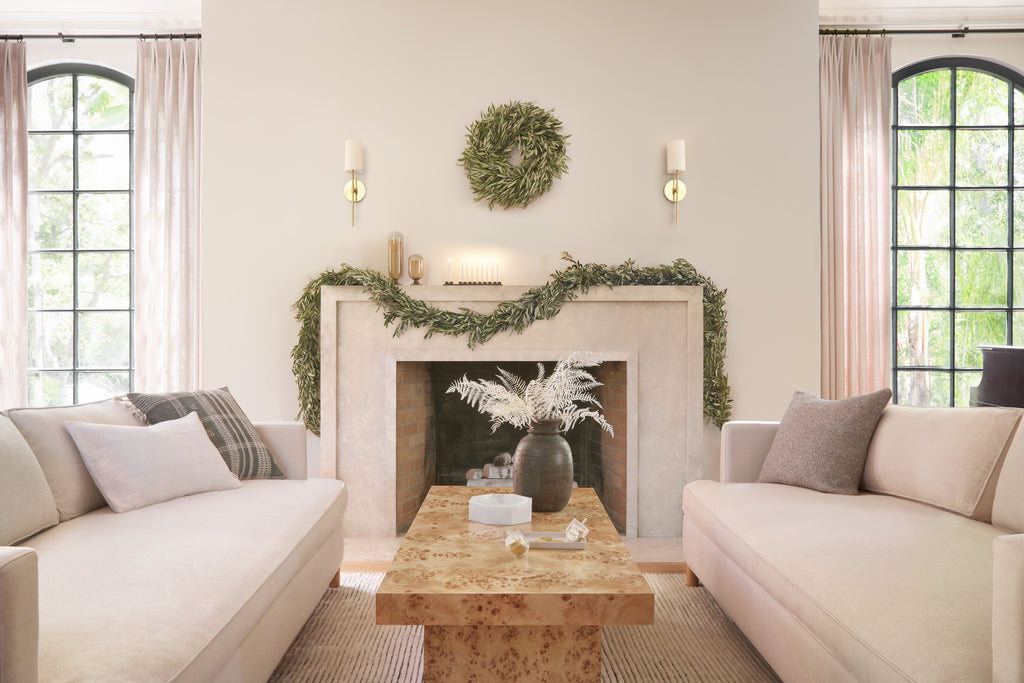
170,591
893,589
228,427
949,457
822,444
1008,503
43,428
138,466
26,504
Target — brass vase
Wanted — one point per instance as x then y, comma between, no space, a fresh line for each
542,467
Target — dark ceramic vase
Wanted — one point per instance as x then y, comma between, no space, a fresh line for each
542,467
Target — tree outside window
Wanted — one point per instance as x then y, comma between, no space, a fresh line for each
80,307
958,224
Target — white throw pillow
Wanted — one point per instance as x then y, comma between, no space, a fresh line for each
138,466
74,490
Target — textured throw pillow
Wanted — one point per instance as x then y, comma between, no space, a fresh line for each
138,466
43,428
26,503
821,444
230,430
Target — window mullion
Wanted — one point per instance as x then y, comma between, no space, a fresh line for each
74,233
953,252
1009,212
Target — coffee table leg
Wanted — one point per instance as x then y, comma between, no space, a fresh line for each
512,653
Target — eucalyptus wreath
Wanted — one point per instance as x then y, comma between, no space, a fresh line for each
489,144
540,303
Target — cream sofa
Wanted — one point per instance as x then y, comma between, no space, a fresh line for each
206,587
918,577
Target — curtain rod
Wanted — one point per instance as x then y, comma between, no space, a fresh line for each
953,32
72,37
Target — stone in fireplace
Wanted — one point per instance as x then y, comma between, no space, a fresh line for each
656,333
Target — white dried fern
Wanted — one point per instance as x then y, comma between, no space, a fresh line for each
555,397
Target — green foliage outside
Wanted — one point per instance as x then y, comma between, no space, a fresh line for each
103,240
965,207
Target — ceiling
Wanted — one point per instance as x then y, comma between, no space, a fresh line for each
98,16
49,16
921,14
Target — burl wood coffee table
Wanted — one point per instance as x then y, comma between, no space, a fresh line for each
491,616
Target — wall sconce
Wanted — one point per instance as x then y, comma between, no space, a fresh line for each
354,189
675,190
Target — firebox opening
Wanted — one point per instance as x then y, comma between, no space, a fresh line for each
440,437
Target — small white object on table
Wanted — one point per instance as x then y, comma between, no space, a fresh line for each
500,508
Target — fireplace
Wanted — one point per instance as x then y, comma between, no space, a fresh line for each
652,335
441,438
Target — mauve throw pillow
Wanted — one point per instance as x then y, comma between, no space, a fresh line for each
822,444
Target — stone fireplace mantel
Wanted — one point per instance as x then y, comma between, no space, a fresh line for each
656,331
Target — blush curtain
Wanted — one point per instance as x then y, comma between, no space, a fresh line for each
855,90
13,225
168,316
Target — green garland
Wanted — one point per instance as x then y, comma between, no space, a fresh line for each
539,303
490,141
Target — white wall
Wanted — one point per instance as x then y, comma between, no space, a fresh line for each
117,54
738,80
1007,48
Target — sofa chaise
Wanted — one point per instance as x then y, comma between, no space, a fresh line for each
918,576
210,585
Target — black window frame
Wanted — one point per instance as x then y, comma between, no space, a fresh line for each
76,70
1015,81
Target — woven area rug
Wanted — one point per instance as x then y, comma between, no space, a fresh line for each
691,640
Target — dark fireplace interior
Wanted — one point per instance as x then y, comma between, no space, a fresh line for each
441,437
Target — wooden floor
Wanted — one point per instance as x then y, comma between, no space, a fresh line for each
646,567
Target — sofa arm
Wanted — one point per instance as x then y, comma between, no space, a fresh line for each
19,615
744,448
287,441
1008,608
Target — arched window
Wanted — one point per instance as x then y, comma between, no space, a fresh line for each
958,224
80,238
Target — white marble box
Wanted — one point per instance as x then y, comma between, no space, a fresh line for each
500,508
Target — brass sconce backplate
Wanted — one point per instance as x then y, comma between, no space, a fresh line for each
675,190
355,190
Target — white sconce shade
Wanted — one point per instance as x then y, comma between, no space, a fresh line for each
676,152
675,158
354,155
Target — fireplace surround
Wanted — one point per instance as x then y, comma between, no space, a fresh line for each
657,332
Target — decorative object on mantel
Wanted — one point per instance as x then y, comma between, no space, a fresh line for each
395,256
542,464
539,303
517,127
355,190
476,271
675,190
416,268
